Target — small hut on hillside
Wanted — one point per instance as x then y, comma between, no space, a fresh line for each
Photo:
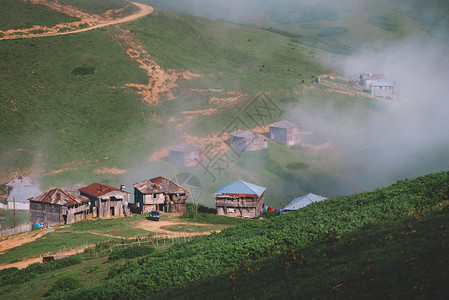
185,155
239,199
286,133
383,88
366,79
107,201
20,180
245,140
58,207
160,194
303,201
19,190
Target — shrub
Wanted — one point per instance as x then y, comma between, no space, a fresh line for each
83,70
130,252
16,276
64,284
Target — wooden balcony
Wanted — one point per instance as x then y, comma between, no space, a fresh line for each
230,203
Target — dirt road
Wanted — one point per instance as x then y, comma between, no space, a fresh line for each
159,228
19,34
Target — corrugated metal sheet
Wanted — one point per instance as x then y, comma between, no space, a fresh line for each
21,193
97,190
303,201
22,180
241,187
159,185
184,148
60,197
285,124
383,83
242,133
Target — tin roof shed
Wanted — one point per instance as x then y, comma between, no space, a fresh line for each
60,197
303,201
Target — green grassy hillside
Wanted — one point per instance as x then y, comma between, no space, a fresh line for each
67,111
390,242
69,114
21,14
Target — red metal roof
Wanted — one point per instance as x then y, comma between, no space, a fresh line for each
96,189
60,197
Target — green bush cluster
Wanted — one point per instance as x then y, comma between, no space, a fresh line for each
253,241
130,252
16,276
64,284
209,216
83,70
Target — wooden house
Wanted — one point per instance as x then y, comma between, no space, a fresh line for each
107,201
366,79
239,199
58,207
286,133
185,155
19,190
383,88
160,194
245,140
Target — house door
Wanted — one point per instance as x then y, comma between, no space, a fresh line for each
112,211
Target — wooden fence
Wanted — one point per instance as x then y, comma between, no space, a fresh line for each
14,230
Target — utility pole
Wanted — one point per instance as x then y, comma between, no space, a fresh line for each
14,198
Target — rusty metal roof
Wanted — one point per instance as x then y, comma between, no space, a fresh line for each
184,148
60,197
285,124
159,185
97,190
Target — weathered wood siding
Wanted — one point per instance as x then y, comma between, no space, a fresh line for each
238,207
46,212
383,92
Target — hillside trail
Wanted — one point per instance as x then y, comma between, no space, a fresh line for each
20,239
92,21
151,226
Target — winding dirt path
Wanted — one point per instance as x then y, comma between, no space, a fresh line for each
20,239
144,10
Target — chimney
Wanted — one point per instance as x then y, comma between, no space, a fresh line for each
122,187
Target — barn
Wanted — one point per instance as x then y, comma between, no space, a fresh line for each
365,80
239,199
286,133
185,155
245,140
383,88
303,201
160,194
58,207
107,201
19,190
